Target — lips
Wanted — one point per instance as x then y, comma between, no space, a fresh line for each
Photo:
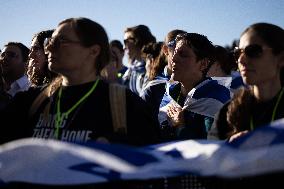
246,71
51,59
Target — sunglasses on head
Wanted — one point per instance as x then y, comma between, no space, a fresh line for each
171,44
251,51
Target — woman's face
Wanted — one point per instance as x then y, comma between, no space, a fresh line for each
66,54
130,46
259,69
185,67
37,59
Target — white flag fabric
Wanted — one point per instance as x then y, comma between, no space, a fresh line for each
51,162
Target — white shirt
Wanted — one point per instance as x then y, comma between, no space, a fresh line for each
21,84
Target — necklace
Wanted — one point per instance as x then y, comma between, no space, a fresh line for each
64,115
274,109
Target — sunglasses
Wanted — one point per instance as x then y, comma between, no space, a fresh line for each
251,51
8,54
56,42
129,40
171,44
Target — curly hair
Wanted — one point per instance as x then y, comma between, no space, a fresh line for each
38,78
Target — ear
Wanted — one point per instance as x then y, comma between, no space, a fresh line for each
95,50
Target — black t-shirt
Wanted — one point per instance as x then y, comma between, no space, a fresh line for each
90,120
261,115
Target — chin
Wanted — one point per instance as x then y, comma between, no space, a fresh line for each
51,67
173,77
248,81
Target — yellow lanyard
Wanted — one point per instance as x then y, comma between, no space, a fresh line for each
274,110
60,117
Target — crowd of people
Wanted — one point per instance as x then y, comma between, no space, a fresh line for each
72,85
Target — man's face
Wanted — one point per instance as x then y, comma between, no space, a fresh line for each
11,60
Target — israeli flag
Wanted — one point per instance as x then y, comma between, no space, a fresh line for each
206,99
51,162
233,83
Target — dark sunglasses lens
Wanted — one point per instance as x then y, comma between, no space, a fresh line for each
172,44
253,51
129,40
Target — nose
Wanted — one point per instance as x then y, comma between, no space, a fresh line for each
48,48
242,59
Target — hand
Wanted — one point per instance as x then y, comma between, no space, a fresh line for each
237,135
175,116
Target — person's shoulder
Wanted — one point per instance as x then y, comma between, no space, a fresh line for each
32,92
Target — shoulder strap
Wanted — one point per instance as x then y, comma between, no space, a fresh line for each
118,107
38,101
44,94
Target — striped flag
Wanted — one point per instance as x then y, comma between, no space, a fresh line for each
51,162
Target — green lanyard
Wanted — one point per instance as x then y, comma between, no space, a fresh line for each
60,116
274,110
178,96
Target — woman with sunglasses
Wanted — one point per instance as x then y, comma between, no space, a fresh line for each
188,108
79,106
260,58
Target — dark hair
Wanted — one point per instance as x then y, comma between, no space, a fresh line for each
142,35
118,44
37,79
201,46
41,36
24,50
91,33
242,103
225,59
154,49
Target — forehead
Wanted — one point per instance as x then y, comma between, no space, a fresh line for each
249,38
12,48
65,29
128,35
